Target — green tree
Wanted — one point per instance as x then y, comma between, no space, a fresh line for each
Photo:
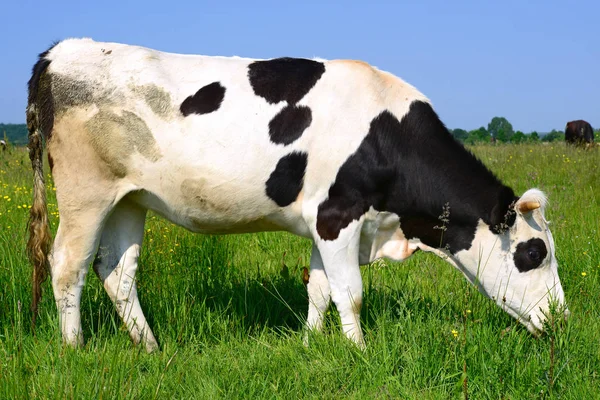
518,137
459,134
534,137
500,129
478,136
553,135
501,136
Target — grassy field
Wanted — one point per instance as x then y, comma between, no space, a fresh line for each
228,312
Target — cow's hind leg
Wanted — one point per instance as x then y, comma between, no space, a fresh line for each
319,294
73,249
116,265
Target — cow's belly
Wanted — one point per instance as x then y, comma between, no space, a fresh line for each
204,200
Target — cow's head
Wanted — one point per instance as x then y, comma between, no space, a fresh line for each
515,265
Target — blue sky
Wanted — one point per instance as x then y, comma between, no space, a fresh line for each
537,63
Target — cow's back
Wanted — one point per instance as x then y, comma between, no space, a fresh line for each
215,143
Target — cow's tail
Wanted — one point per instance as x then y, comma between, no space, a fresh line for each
39,243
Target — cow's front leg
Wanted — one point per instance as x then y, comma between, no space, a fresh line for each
319,294
340,262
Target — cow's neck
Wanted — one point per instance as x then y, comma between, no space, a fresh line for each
439,189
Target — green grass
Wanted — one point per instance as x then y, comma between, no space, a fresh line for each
228,312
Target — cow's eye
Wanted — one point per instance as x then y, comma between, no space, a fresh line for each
534,254
530,254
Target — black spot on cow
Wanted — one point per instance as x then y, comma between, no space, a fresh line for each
40,96
530,254
206,100
285,182
413,168
284,79
289,123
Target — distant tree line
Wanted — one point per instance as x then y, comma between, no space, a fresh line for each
14,134
500,130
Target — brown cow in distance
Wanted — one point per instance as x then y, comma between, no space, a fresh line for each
579,132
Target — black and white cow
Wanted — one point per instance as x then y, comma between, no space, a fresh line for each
339,152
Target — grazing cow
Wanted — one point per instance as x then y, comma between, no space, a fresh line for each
2,145
340,152
579,133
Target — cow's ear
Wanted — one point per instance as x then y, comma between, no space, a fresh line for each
503,215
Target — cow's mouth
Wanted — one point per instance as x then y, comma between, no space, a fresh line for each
536,330
534,324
